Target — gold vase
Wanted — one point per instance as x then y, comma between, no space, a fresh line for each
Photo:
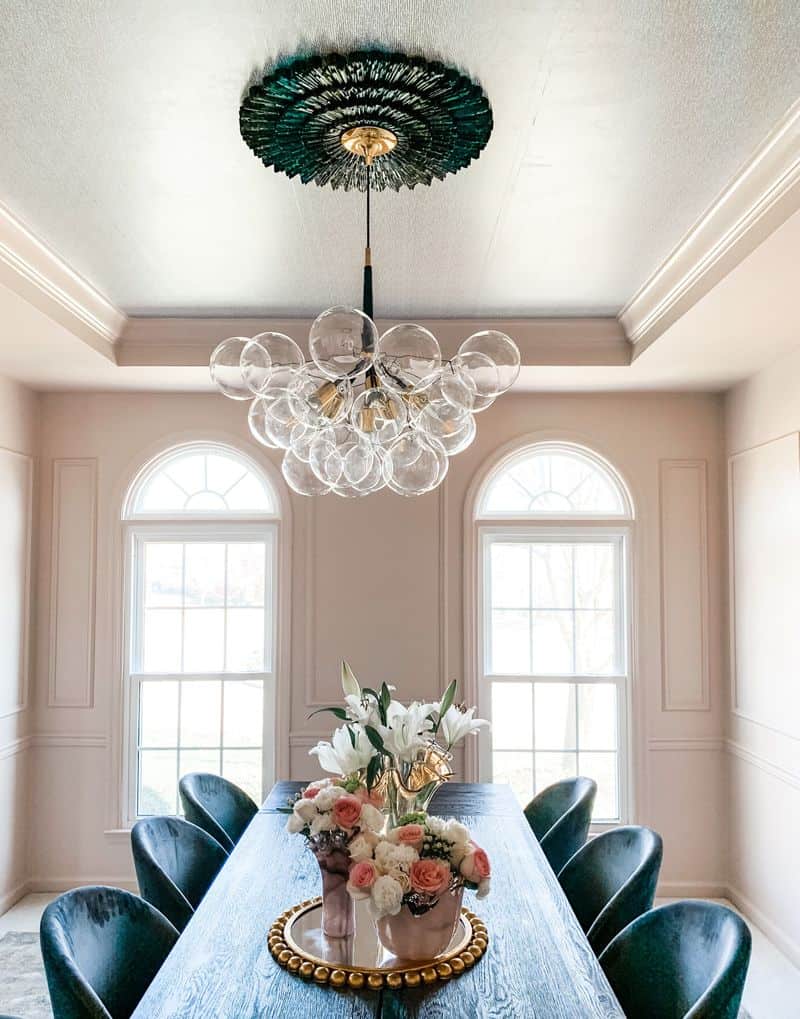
410,786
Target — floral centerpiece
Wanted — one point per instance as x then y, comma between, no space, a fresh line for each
419,869
404,751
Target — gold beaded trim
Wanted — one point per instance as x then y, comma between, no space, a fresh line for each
343,977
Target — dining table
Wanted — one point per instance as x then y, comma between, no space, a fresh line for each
537,965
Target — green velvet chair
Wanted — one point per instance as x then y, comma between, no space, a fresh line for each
560,817
101,949
687,960
175,864
217,806
611,880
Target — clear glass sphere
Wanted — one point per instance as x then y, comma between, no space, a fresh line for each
379,415
415,463
226,368
285,355
408,358
256,418
256,365
457,388
480,373
500,349
280,424
357,459
342,342
317,400
300,442
299,476
325,457
455,433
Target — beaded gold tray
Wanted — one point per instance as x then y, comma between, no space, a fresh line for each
360,961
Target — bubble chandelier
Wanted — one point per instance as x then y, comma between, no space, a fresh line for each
367,411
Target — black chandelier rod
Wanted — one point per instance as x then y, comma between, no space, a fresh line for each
366,302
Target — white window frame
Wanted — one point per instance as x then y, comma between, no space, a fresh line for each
531,526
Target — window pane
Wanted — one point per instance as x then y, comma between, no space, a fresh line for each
163,573
246,573
551,640
162,640
511,642
161,494
556,720
510,576
244,768
245,640
594,576
188,472
243,714
603,769
515,769
198,760
158,790
512,716
248,494
201,707
551,569
552,767
597,716
204,640
222,473
205,573
158,719
594,643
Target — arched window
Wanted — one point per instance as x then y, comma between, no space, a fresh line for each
201,530
553,524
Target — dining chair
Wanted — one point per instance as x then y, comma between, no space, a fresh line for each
175,864
560,816
686,960
611,880
217,806
101,949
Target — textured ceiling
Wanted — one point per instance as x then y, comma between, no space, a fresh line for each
616,124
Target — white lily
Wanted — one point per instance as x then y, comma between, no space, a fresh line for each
357,712
457,724
406,730
339,756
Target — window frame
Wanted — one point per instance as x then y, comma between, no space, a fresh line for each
488,525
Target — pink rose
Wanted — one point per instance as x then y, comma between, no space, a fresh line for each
310,792
362,877
429,876
347,811
409,835
374,797
475,866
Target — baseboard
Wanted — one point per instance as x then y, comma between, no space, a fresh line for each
65,884
776,935
12,897
691,890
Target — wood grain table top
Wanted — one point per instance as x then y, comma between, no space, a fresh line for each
538,964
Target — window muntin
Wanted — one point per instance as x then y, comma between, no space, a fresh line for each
553,612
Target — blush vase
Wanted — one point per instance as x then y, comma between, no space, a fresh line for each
426,936
338,907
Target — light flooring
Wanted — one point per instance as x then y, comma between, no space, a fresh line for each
773,983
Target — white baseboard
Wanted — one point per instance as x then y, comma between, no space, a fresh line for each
66,884
776,935
11,897
691,890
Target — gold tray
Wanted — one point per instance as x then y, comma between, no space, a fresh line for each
360,961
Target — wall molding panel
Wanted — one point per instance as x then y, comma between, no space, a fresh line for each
16,746
684,744
764,764
16,617
72,583
81,741
683,509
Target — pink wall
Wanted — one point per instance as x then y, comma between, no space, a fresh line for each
381,581
763,723
19,410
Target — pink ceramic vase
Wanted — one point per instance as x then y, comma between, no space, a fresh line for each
338,908
424,937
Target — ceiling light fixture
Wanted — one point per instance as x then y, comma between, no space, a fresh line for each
367,411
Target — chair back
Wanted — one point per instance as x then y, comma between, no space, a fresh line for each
686,960
560,816
175,864
217,806
101,949
611,880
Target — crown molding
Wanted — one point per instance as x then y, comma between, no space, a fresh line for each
188,342
29,268
764,193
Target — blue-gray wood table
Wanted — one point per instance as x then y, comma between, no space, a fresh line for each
538,964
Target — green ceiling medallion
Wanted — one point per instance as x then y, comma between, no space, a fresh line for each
294,119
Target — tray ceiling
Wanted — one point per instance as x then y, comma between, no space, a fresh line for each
616,126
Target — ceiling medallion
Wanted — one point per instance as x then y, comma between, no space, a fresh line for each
367,411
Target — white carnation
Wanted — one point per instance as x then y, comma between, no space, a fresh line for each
457,852
455,831
360,848
387,896
295,824
322,822
484,888
305,809
436,825
371,817
390,857
325,799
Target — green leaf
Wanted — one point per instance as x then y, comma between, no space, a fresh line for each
383,701
447,701
375,738
352,735
367,691
339,712
350,684
373,770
